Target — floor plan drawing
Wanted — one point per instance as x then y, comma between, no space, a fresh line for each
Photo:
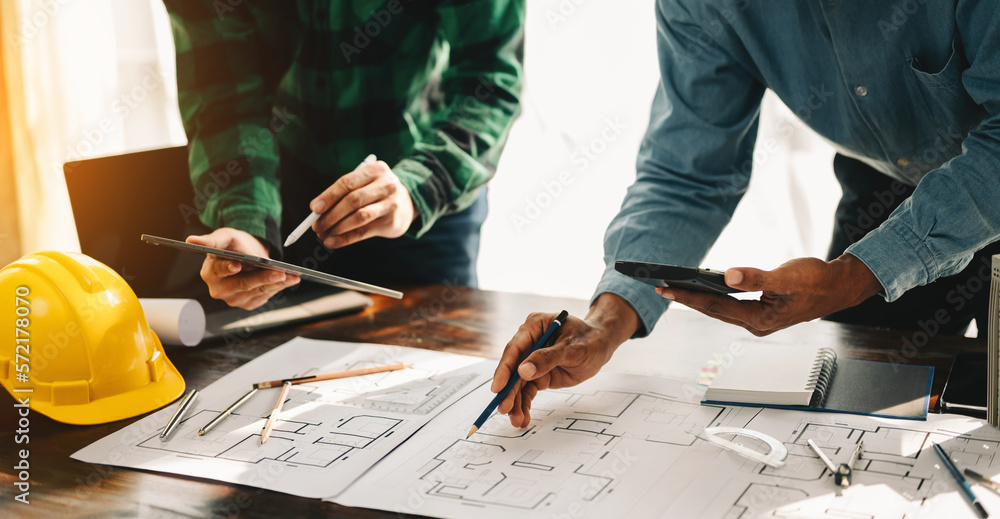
300,442
629,446
898,472
617,445
590,446
328,432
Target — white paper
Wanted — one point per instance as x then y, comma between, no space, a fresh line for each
328,432
615,446
626,446
176,321
898,475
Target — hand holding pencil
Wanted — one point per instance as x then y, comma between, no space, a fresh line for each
367,202
509,385
578,353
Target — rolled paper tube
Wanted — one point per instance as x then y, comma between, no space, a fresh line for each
176,321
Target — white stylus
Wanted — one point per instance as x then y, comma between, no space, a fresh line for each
311,219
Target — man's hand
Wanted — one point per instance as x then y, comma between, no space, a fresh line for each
579,351
800,290
370,201
230,280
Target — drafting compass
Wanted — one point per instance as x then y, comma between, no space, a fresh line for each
841,473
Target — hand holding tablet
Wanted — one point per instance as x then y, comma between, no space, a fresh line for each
290,271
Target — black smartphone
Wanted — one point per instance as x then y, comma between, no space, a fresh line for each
687,278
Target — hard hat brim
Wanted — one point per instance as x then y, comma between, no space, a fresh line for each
135,402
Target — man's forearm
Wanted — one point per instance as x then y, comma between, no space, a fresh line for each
857,278
614,315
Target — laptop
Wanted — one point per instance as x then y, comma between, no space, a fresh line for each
111,215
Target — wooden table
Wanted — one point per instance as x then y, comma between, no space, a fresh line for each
439,318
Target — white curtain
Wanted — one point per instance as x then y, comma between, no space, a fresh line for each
96,83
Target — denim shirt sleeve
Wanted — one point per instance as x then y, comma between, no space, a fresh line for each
955,209
694,161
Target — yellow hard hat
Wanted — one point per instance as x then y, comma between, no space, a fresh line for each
77,344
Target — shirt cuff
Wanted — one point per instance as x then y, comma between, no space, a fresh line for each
648,305
413,175
897,256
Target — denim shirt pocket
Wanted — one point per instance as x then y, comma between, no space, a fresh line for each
947,77
945,97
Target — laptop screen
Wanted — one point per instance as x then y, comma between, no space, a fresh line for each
116,199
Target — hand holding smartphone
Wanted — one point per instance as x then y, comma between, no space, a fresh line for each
673,276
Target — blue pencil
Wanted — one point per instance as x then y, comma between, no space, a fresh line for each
963,485
515,377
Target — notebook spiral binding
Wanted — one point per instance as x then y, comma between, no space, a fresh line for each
821,374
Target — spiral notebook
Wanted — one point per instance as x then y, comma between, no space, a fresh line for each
814,379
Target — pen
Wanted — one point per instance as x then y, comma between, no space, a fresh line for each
311,219
266,432
515,377
962,483
178,414
222,416
983,480
330,376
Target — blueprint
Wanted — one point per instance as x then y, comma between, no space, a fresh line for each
899,475
616,445
628,446
328,432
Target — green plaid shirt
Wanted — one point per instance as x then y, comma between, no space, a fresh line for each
429,86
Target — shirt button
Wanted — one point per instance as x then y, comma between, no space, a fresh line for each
861,90
901,162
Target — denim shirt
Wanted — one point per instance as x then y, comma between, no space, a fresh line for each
910,87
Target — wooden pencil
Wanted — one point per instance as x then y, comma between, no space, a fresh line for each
266,433
333,375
